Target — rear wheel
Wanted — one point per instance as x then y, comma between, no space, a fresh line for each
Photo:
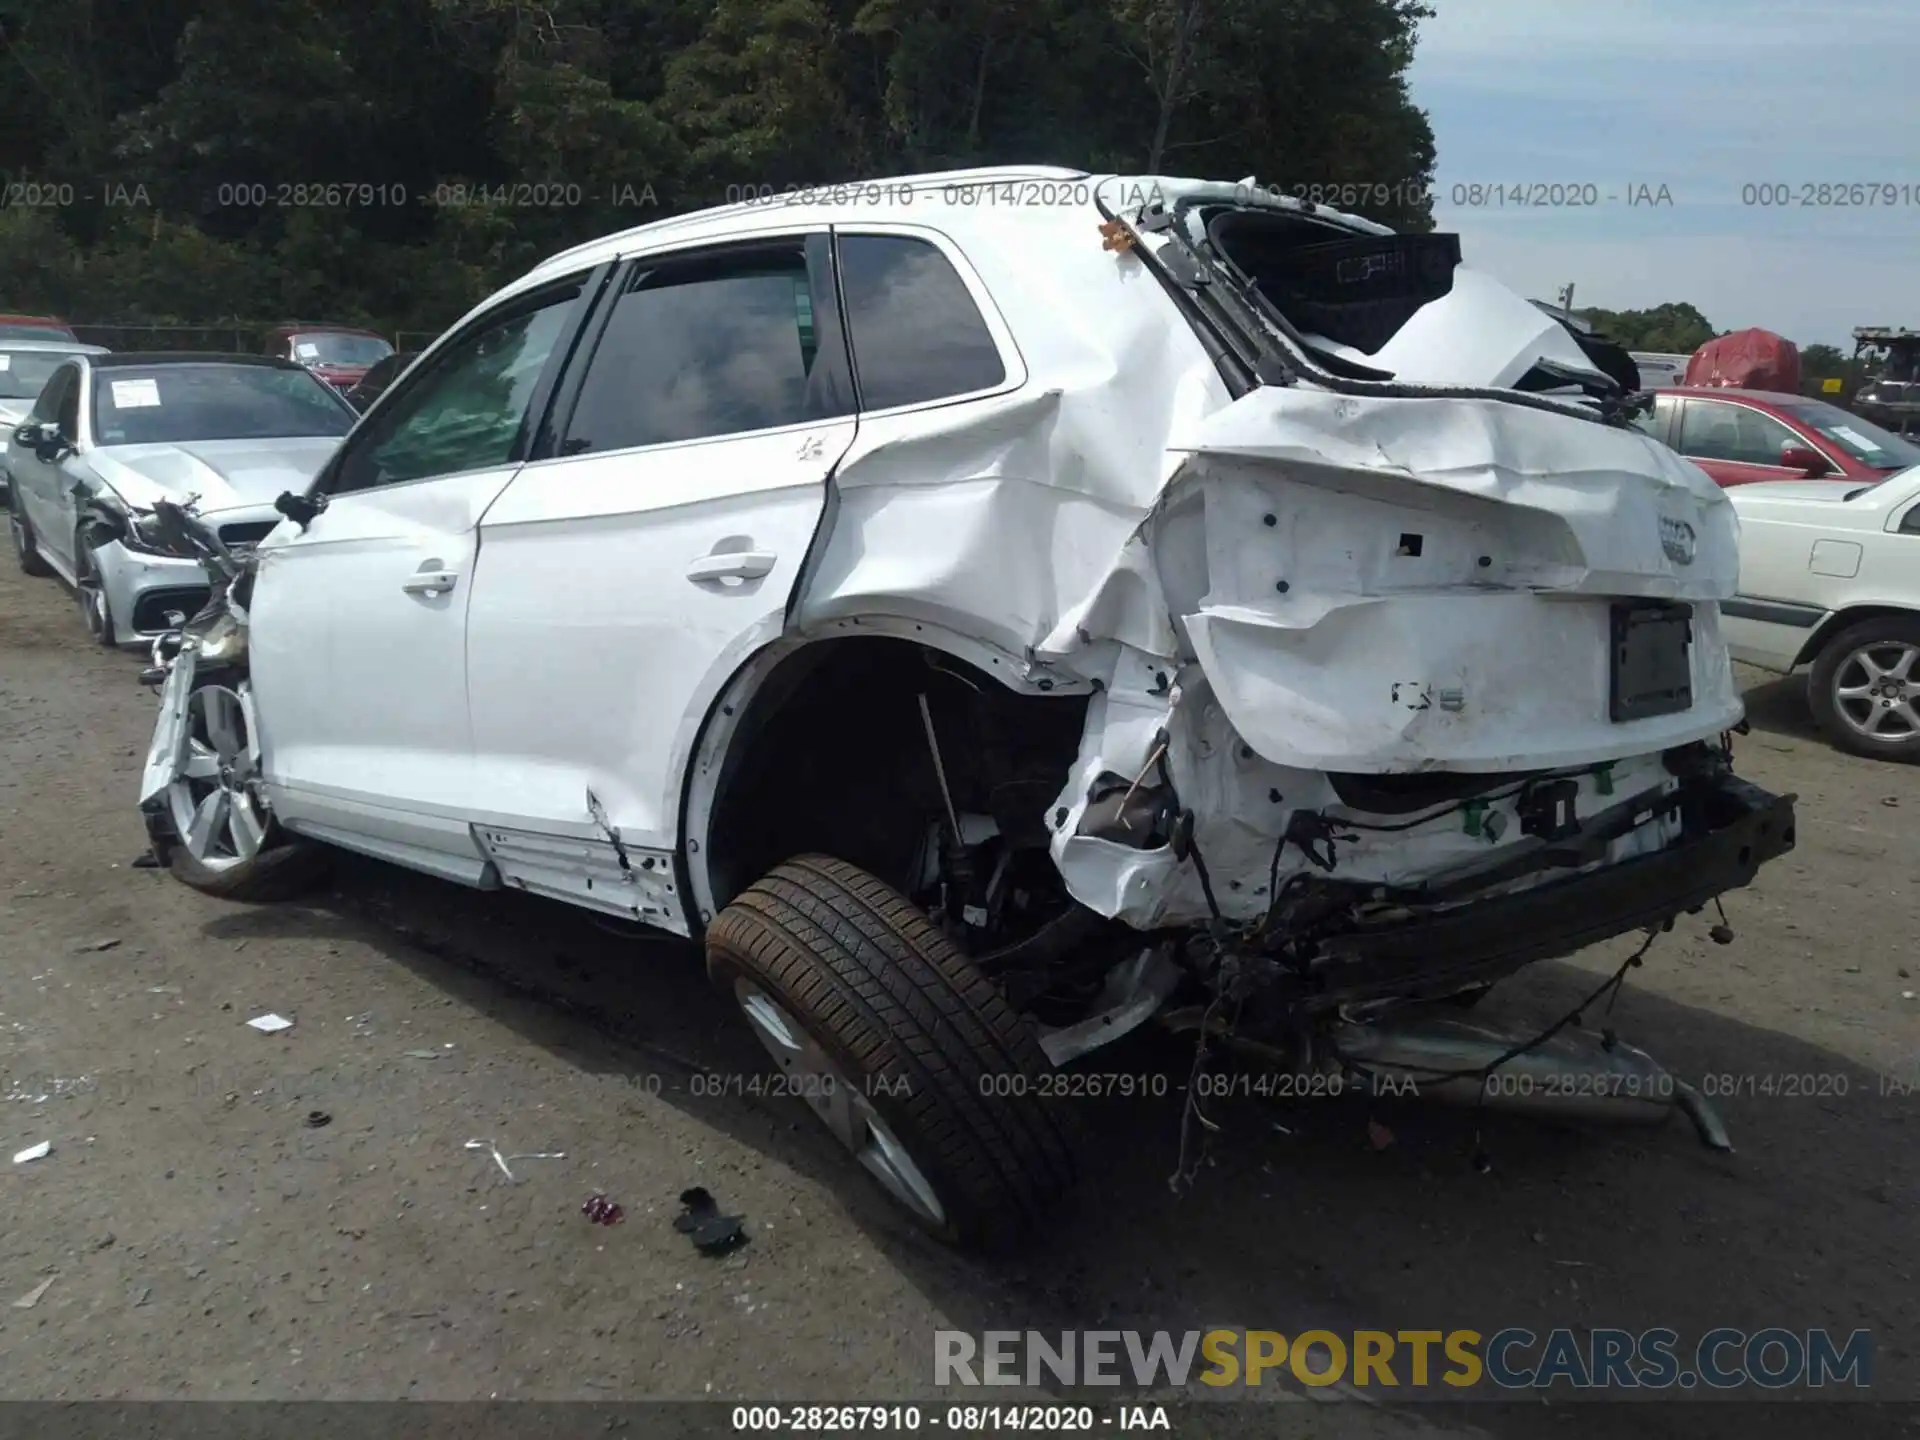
219,836
909,1055
92,593
1865,688
24,549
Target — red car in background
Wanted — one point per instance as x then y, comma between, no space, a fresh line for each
1740,436
337,354
36,327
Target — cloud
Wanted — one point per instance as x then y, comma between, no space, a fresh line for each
1713,99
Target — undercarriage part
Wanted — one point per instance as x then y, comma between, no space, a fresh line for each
1731,829
1134,991
1576,1075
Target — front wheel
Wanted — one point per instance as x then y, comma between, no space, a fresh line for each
91,588
213,827
908,1054
1865,688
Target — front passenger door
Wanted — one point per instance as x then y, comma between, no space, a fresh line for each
358,637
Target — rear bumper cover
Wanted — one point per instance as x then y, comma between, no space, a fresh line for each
1732,829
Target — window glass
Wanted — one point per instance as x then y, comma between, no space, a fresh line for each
917,335
1656,420
63,384
334,347
1862,439
469,409
720,345
168,404
24,373
1715,430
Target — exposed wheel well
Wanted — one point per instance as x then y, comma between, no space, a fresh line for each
831,756
1841,620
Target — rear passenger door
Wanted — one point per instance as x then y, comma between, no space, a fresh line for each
625,576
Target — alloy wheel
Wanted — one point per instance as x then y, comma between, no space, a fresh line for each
92,593
839,1102
217,812
1875,690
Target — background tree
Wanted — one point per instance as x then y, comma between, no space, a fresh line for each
609,113
1671,329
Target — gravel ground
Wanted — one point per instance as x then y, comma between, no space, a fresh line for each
205,1241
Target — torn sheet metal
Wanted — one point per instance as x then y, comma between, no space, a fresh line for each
1297,582
1395,585
604,874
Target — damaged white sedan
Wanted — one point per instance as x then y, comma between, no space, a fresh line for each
993,610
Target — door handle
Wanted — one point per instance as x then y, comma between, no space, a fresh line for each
430,582
733,565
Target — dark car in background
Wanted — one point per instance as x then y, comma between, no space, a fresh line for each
341,355
1891,404
374,383
1742,436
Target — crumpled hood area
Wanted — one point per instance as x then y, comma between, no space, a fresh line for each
225,474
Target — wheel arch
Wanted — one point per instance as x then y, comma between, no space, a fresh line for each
740,715
1845,619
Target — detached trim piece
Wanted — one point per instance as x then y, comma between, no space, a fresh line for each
1773,612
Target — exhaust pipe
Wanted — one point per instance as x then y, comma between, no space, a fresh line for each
1576,1075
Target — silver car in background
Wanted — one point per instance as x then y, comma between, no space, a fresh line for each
25,367
111,434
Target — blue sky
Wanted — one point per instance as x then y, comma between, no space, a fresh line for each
1705,97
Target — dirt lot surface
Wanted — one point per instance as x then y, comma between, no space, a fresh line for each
203,1240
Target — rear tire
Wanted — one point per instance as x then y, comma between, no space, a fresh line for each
214,831
1868,676
940,1066
24,548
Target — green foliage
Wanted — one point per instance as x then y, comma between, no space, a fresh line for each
610,113
1671,329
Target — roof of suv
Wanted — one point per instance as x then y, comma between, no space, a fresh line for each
800,200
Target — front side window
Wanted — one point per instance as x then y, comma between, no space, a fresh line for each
470,409
917,335
1717,430
63,387
175,404
716,345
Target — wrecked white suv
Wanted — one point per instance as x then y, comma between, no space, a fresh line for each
993,610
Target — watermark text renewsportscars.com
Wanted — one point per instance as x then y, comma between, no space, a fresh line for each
1509,1359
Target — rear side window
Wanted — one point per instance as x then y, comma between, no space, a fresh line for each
917,335
718,345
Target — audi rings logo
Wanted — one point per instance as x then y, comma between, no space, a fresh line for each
1678,540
